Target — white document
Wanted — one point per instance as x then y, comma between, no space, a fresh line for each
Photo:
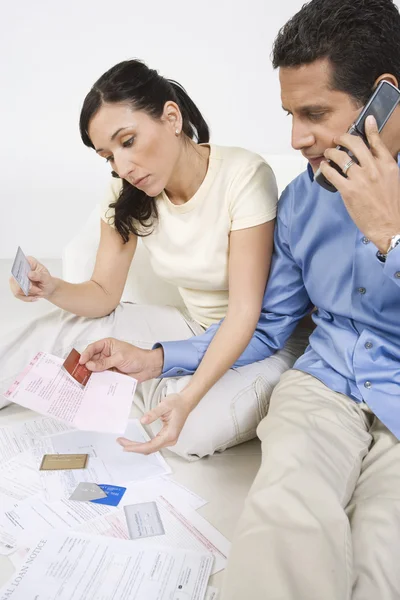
7,542
34,518
17,438
212,593
174,492
124,466
103,405
77,567
184,528
19,480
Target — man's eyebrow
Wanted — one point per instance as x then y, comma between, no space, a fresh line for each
309,108
114,135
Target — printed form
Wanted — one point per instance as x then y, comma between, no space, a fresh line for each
45,387
70,566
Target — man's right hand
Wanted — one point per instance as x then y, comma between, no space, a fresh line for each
42,283
110,353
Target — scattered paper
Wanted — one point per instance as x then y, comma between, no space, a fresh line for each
19,480
184,528
20,437
31,519
174,492
124,466
212,593
67,565
103,405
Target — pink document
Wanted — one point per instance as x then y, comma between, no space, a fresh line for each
104,404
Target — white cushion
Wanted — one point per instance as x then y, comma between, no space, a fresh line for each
142,285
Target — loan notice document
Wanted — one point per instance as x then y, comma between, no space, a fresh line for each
72,566
103,405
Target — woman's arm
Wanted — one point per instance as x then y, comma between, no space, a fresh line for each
250,252
99,296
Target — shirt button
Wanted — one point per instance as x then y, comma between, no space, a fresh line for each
368,345
179,372
365,240
361,290
397,275
368,385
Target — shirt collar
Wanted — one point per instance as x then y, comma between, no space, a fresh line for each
310,172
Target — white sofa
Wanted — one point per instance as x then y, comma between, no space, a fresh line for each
223,479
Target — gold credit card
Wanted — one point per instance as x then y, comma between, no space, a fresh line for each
57,462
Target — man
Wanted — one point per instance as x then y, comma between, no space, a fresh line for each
322,520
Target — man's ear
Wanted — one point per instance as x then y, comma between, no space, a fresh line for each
387,77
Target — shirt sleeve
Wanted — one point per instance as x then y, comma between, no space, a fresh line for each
392,265
112,194
253,196
285,302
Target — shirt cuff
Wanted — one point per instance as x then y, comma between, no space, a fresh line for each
180,358
392,265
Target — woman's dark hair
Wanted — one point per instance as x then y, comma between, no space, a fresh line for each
361,38
132,82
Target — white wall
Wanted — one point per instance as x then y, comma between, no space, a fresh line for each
52,52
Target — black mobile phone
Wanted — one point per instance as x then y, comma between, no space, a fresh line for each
381,105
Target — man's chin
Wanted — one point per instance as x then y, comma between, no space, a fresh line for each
315,163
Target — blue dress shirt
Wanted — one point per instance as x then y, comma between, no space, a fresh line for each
321,259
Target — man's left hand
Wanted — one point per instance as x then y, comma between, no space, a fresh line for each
371,191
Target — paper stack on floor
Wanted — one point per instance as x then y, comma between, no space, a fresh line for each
156,519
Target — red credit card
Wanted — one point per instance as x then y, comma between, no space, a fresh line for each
78,372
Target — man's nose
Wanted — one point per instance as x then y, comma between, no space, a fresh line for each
302,136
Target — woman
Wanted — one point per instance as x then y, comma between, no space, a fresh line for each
206,216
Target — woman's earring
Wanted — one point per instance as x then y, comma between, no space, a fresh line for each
177,132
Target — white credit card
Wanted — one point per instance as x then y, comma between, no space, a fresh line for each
143,520
20,270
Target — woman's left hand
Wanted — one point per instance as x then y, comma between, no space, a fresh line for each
173,411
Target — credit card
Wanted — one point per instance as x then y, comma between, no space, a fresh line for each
59,462
143,520
78,372
20,270
85,492
114,494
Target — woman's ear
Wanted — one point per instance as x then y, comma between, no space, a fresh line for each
172,115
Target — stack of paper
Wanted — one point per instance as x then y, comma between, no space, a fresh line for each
119,524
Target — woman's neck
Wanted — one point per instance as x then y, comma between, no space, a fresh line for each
189,173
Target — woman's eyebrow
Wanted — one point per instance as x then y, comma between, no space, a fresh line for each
114,135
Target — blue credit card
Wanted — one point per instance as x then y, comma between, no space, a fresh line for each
114,494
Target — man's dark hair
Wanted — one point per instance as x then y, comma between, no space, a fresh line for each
361,38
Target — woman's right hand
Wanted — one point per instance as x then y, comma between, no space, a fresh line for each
42,283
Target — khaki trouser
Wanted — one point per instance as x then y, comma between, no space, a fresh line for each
322,519
226,416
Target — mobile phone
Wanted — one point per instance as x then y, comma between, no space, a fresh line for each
381,105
